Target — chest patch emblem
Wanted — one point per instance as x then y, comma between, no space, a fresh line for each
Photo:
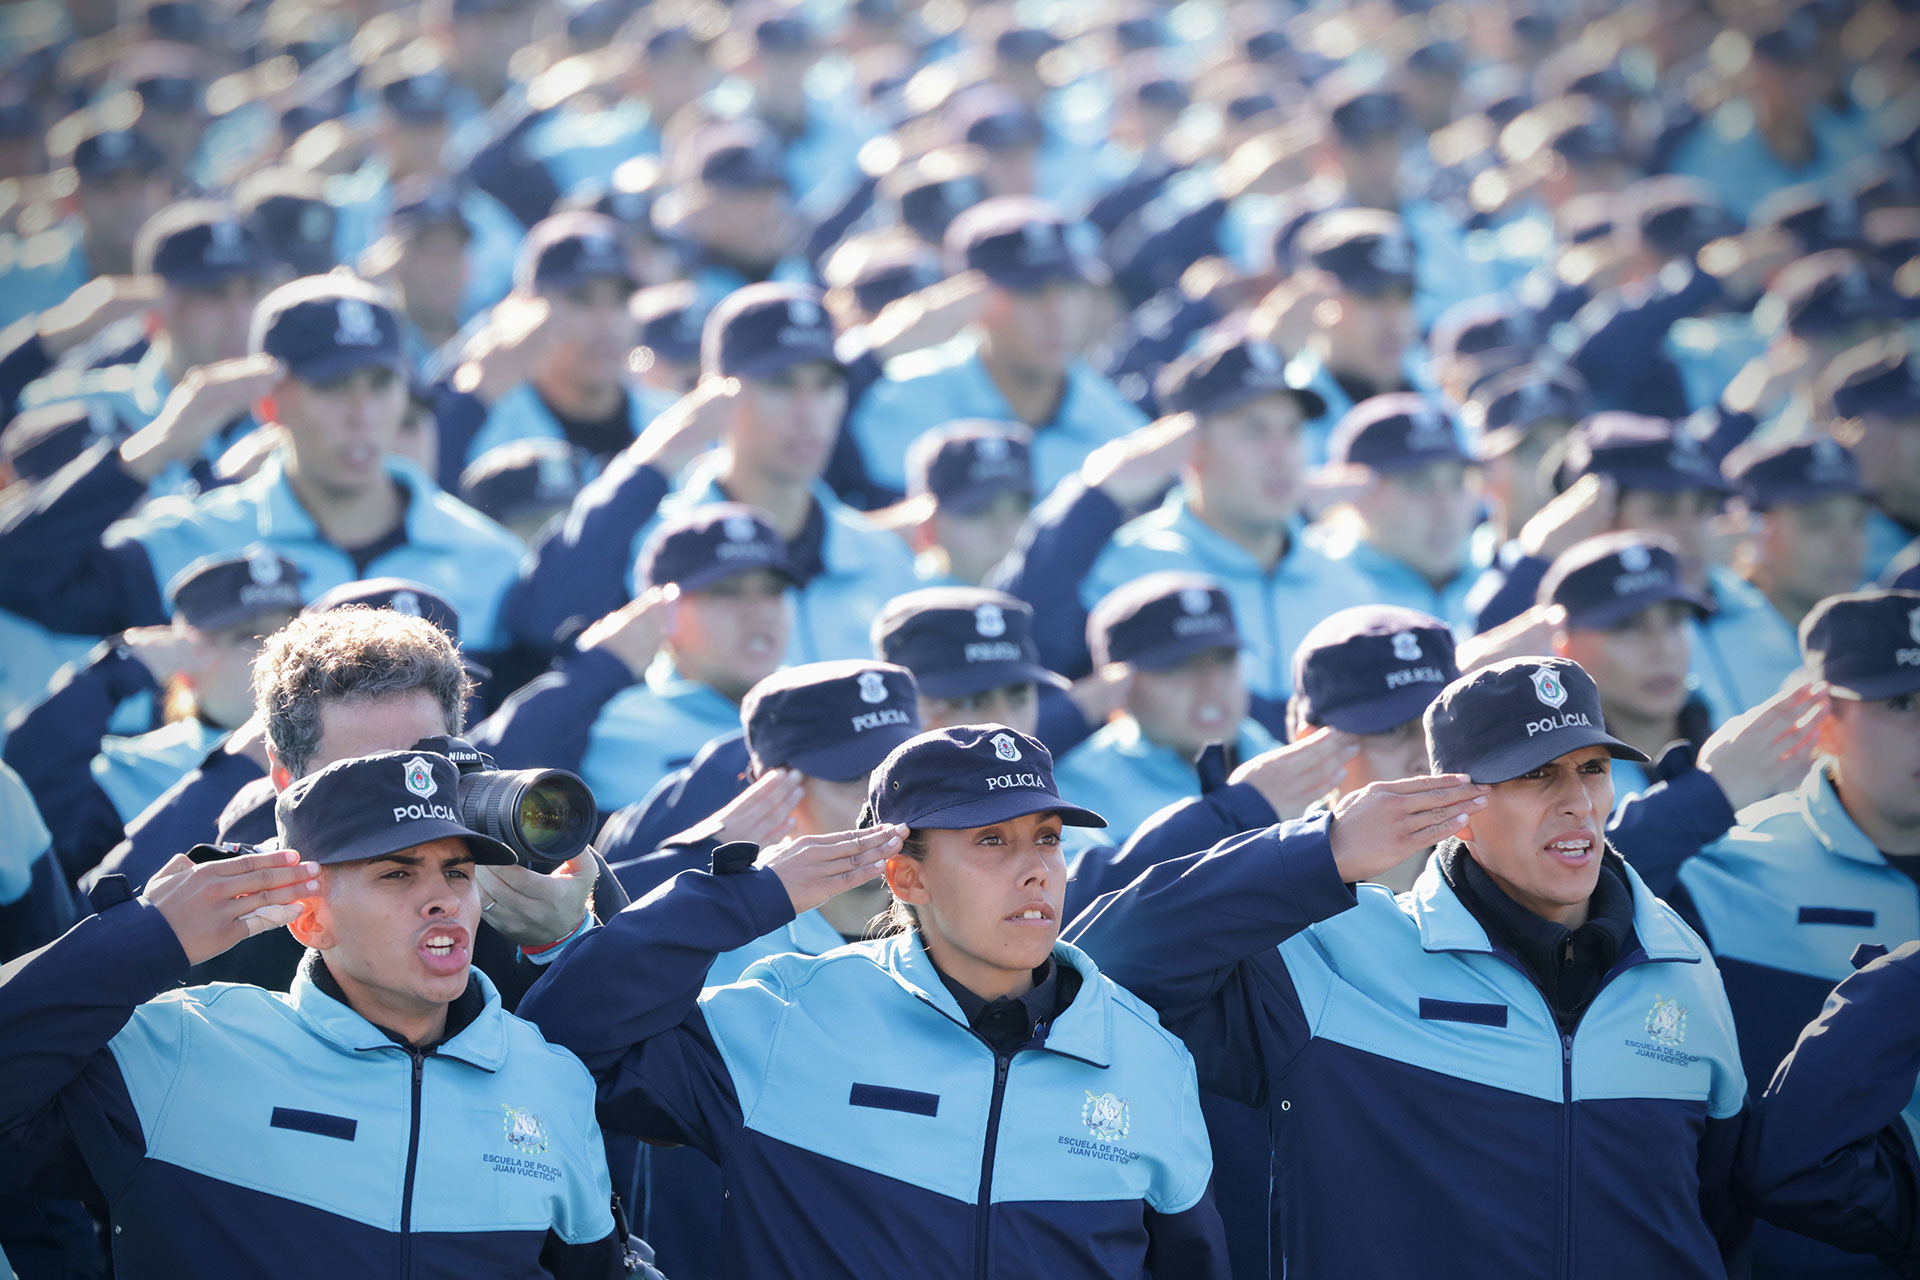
1667,1023
525,1131
1106,1116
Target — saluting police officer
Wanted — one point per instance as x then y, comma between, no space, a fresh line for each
389,1070
1526,1065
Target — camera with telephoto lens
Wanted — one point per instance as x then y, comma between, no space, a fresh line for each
546,816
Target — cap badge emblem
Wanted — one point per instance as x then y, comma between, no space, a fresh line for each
1536,399
737,529
1005,747
264,568
405,602
1263,357
1913,624
1547,687
525,1131
1106,1116
1039,241
1666,1022
113,146
1196,600
420,778
991,448
226,236
556,473
989,621
315,225
358,326
873,686
803,313
1406,647
1635,558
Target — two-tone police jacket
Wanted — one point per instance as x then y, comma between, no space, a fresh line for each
241,1132
860,1126
1425,1103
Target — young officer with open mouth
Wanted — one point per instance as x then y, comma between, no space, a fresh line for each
965,1096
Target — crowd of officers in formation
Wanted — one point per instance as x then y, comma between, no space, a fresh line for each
1221,639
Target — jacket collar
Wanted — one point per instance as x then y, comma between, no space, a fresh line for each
481,1043
1084,1030
282,518
1445,924
1827,818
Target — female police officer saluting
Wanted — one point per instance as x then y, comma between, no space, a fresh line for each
965,1097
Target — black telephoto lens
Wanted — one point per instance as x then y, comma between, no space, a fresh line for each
546,816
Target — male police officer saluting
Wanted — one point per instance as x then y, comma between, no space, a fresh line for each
239,1131
1525,1065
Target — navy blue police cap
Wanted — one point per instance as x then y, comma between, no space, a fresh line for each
419,97
401,595
1479,326
995,120
1366,250
523,478
627,197
1583,131
1163,93
831,720
1676,216
105,152
198,244
1226,370
966,466
1640,452
179,21
968,776
1511,717
763,329
1362,113
710,542
323,328
670,317
1024,46
168,95
740,155
43,439
1827,293
375,805
892,271
1436,56
959,641
421,203
1515,401
1794,41
1160,620
18,119
1018,243
1242,107
220,591
1372,668
1395,432
1800,472
930,197
295,227
1265,43
784,31
1875,379
569,249
1865,644
1816,216
1605,580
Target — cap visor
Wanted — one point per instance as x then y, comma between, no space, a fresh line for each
1382,714
768,363
1312,405
1375,285
962,681
1668,482
721,572
1894,684
977,498
207,277
1602,617
849,760
1413,461
1525,756
1175,652
999,806
339,364
406,835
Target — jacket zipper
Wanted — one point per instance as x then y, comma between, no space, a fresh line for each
1566,1159
413,1159
983,1212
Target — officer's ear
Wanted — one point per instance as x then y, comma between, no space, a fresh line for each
906,879
281,775
313,927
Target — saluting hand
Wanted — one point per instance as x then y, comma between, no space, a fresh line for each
1766,749
635,631
214,905
1137,468
207,399
815,868
1383,824
687,426
1291,778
